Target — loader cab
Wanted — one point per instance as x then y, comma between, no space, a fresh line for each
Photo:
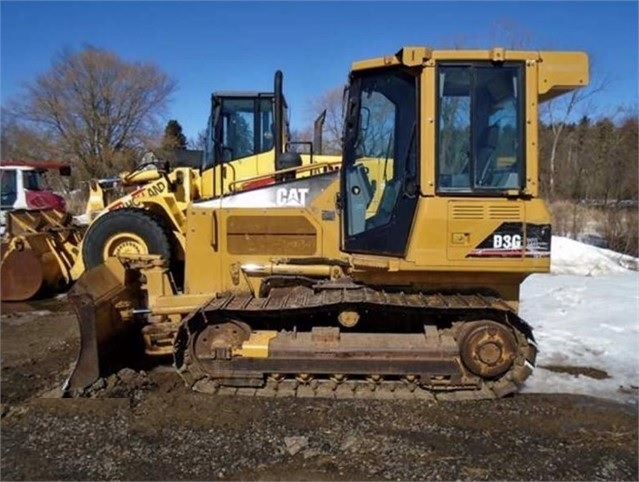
23,186
475,146
246,138
239,140
241,125
16,182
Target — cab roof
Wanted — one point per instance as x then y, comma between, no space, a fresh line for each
557,71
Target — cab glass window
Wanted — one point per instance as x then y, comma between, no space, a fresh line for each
480,127
238,127
8,188
380,160
33,180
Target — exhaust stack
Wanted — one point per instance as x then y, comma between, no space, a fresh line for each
318,127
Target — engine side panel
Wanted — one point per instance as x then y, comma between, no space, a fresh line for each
295,219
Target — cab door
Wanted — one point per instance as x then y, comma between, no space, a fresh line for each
246,133
380,173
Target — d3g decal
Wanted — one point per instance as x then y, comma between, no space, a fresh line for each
506,241
509,241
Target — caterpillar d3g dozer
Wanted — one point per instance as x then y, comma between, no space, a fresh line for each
339,284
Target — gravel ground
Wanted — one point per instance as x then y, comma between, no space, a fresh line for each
148,426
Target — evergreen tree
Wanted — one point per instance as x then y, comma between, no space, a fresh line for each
174,138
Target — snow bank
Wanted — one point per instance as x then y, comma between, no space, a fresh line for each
585,315
572,257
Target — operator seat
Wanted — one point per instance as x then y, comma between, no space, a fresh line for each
486,146
386,204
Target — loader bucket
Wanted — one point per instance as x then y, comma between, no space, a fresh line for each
102,299
20,274
38,251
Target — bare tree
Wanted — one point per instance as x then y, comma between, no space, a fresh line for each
501,32
98,107
23,142
199,143
509,33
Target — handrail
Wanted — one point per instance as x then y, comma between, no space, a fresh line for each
296,169
223,176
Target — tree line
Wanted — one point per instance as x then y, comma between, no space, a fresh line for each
595,179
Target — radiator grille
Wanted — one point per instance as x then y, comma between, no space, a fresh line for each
509,213
500,212
468,211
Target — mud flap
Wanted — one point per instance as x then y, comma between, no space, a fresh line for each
103,299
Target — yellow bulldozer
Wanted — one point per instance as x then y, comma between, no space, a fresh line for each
317,284
247,141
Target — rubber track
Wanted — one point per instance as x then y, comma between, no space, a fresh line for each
451,306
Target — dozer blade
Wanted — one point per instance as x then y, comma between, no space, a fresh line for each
103,299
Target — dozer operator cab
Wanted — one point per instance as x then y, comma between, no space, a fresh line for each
453,126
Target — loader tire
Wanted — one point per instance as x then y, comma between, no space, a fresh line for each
126,231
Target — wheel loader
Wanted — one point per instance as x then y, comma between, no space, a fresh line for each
247,137
300,287
38,238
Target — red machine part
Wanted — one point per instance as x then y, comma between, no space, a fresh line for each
36,164
44,200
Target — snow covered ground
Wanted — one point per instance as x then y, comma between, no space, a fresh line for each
585,314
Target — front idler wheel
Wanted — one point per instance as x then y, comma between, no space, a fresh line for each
488,349
218,341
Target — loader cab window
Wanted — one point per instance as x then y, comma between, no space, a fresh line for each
238,127
480,124
379,178
33,180
8,188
